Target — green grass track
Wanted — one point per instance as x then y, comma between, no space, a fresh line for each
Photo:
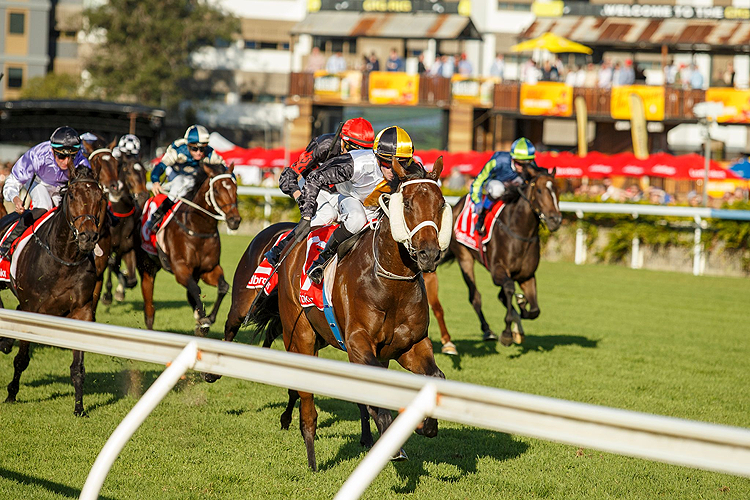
663,343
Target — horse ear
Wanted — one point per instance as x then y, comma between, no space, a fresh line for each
554,171
231,168
397,168
436,170
113,143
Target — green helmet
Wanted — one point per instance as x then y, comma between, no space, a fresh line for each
522,149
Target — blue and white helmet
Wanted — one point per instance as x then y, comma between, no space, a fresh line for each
129,145
196,134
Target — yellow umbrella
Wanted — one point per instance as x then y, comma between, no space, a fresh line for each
552,43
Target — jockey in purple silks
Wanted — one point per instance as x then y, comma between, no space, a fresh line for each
44,170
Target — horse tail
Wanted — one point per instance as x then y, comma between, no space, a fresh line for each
265,321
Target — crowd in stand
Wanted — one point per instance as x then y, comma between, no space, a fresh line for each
609,73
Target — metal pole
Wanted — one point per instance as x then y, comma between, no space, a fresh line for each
389,443
135,418
706,165
697,248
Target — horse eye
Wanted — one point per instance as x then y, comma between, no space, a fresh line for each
407,204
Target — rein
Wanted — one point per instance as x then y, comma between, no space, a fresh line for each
210,197
380,270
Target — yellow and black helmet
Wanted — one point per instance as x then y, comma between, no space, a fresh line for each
393,141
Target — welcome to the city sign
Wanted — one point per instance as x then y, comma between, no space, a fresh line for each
647,11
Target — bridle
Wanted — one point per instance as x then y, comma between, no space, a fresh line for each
95,152
210,198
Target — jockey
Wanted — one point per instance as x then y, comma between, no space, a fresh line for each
356,134
356,175
128,146
46,168
499,174
184,156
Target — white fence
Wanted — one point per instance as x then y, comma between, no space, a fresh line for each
682,442
698,215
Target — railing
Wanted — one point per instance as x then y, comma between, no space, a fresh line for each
682,442
436,91
697,214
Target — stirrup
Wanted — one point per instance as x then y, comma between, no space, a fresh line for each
316,271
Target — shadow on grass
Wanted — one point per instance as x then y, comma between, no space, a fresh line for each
51,486
459,448
546,343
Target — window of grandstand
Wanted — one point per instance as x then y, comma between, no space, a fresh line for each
17,23
15,78
513,6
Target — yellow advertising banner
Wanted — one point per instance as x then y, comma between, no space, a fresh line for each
547,99
337,87
474,91
653,101
736,104
638,130
393,88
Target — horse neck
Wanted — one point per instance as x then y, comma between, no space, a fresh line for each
194,218
392,256
59,235
520,217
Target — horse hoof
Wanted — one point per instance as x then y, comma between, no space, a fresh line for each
400,456
202,331
489,336
449,348
210,377
6,345
106,299
506,339
119,296
131,283
366,444
10,400
81,414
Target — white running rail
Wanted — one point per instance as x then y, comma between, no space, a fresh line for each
682,442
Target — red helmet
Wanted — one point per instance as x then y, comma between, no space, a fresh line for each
358,131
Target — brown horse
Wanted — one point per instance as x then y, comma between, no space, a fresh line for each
127,210
60,269
385,319
512,254
104,166
192,247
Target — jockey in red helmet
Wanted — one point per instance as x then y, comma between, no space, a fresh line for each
356,133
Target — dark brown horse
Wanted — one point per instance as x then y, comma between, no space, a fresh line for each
60,269
127,210
104,166
385,319
511,256
192,247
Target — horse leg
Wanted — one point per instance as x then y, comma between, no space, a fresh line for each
120,290
308,422
507,292
466,262
129,275
148,275
528,288
361,351
6,343
364,418
286,417
20,363
77,370
431,286
107,298
235,318
216,278
420,360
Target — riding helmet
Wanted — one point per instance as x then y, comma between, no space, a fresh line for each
522,149
393,141
358,133
129,145
196,134
65,139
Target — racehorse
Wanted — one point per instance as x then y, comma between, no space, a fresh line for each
60,269
512,254
385,319
104,166
127,210
192,247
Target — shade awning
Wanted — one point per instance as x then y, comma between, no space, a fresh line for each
678,34
402,26
265,30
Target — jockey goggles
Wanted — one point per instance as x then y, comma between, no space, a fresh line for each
197,148
63,153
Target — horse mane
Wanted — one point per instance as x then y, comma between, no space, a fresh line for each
414,171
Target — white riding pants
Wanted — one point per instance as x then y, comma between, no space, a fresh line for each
44,195
327,211
353,214
179,186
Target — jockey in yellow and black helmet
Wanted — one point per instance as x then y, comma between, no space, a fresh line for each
356,175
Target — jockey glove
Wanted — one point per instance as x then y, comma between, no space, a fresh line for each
302,230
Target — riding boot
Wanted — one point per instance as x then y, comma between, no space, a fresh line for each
340,234
155,221
479,228
14,235
274,254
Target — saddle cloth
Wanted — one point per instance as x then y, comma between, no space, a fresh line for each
8,267
148,237
310,293
466,222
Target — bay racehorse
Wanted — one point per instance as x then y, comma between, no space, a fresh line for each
512,254
126,209
192,248
59,270
388,315
104,166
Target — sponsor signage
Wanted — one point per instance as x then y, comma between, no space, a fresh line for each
474,91
462,7
393,88
647,11
547,99
346,86
732,105
653,102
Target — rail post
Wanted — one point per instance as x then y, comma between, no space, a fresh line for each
267,211
391,440
697,248
135,418
580,257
